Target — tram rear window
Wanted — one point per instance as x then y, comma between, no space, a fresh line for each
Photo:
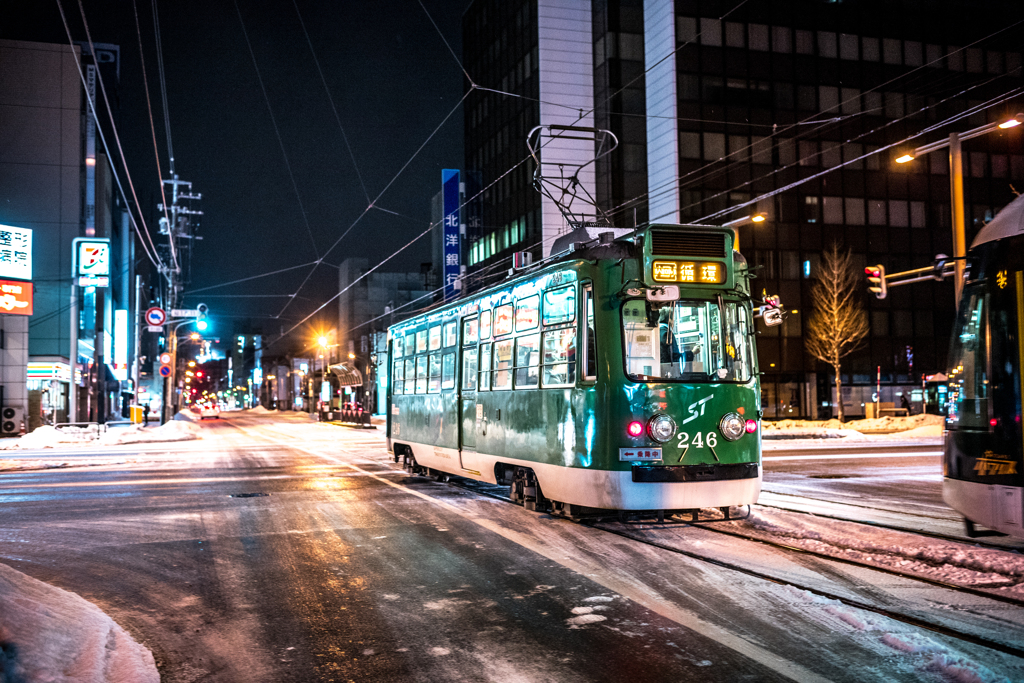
689,341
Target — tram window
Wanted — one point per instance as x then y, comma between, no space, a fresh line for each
421,341
503,320
485,367
448,371
589,334
434,374
559,357
485,324
559,305
527,357
469,369
451,333
398,378
410,376
398,346
470,327
527,313
435,337
502,365
421,374
693,341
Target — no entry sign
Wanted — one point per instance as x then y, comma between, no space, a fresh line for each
155,316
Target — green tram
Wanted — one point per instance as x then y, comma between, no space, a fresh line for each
618,374
983,460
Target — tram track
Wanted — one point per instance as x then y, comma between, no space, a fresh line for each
882,525
492,491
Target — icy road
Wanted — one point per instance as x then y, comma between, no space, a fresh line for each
274,549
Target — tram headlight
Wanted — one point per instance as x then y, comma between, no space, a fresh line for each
661,428
732,426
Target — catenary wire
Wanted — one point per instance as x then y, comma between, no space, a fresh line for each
163,85
330,98
117,139
277,131
149,108
153,257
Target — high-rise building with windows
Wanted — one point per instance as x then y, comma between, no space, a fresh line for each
795,102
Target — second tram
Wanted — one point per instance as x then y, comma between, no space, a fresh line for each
620,374
983,466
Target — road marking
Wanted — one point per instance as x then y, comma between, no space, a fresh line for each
861,456
600,574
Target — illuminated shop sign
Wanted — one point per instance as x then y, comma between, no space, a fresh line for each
92,262
15,297
15,252
695,272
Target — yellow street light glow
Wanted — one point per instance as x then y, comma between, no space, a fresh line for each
904,159
194,336
322,341
759,218
191,363
351,355
1009,124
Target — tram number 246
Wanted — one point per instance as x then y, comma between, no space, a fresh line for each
699,440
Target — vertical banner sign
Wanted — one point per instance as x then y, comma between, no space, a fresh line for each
91,261
452,251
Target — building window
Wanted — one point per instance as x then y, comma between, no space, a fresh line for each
782,39
848,46
827,44
710,32
871,52
734,34
892,51
804,42
757,35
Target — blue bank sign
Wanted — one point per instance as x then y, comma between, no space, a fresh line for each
452,250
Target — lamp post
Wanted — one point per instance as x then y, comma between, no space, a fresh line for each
956,187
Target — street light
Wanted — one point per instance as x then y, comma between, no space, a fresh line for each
956,186
759,217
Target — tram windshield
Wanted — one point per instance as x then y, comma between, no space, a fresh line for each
968,375
690,341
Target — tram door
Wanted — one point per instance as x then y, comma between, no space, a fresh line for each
468,406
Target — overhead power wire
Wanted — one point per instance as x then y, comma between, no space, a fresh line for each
719,214
330,98
117,138
153,256
277,131
163,85
247,279
469,78
149,107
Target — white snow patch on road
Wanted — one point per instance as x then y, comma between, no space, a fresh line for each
50,634
960,670
875,429
584,619
598,598
439,651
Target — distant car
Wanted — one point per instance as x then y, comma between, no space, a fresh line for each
209,411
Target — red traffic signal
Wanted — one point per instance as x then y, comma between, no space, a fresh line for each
876,281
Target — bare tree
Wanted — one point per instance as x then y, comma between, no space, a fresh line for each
838,323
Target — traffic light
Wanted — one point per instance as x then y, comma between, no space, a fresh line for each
876,281
201,322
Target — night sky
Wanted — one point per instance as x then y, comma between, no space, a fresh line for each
393,81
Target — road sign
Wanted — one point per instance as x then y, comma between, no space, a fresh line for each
152,328
184,313
165,370
155,316
165,358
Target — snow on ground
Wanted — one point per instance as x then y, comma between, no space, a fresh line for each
882,428
52,635
961,564
895,641
52,437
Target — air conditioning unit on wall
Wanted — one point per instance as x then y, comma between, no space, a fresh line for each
11,419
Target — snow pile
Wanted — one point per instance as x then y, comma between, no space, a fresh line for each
49,634
959,564
176,430
49,437
913,426
258,410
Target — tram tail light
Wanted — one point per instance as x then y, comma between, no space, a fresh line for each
751,426
635,428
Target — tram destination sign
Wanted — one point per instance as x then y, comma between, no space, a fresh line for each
691,272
